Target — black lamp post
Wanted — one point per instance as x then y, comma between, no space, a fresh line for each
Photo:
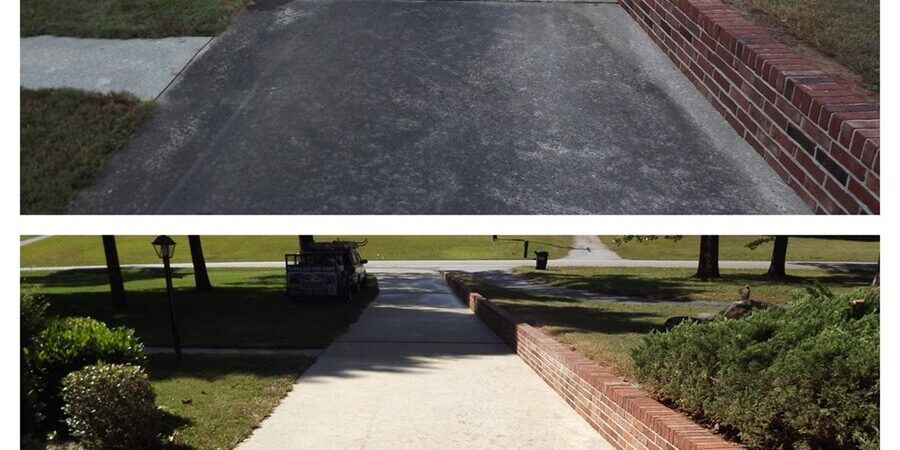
165,249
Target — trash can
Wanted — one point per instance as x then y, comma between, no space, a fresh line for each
540,258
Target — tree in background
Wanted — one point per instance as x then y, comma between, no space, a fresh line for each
779,254
707,261
875,280
708,264
114,270
201,277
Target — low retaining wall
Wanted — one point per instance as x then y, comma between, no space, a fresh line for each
623,414
822,139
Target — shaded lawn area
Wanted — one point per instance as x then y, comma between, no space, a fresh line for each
680,284
602,331
66,135
127,18
846,30
215,402
733,248
88,250
246,309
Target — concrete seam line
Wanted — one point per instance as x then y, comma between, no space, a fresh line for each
183,68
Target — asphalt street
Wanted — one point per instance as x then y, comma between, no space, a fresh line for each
435,107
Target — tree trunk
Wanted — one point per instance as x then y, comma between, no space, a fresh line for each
114,270
305,241
708,266
877,273
201,277
779,257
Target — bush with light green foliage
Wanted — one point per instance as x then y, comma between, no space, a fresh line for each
111,406
69,344
804,377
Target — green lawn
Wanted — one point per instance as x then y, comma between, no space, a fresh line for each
247,307
606,331
65,137
846,30
214,402
88,250
602,331
127,18
732,248
679,284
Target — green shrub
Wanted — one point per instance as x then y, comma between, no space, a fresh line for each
806,376
69,344
111,406
32,316
32,320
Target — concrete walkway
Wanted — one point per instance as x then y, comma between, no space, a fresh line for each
143,67
435,107
32,240
590,248
418,370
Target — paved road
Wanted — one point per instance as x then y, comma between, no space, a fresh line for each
418,369
435,107
491,265
143,67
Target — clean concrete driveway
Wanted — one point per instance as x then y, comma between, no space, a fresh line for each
435,107
419,370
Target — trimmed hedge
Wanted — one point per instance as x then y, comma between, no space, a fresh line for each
805,376
32,320
32,316
69,344
111,406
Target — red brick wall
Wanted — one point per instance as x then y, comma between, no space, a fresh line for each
623,414
818,136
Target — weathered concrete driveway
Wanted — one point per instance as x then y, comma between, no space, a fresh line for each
419,370
371,106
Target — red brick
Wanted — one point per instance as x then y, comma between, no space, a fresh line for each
865,196
869,150
847,201
850,129
838,119
853,165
